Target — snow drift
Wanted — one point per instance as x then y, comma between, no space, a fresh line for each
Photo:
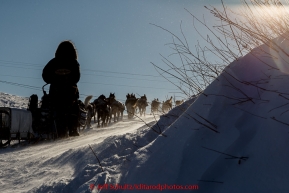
231,138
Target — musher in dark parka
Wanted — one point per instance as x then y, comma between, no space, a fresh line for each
63,74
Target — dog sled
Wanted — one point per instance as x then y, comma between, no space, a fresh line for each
35,122
16,124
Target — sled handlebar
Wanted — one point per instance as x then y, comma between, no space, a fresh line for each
44,92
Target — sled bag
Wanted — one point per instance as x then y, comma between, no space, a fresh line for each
21,122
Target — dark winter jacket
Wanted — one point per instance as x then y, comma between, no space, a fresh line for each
62,75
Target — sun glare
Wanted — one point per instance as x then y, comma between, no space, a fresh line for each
269,23
261,12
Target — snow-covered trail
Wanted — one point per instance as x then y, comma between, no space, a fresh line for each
26,167
88,136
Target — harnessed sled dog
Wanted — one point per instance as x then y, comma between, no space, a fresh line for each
142,104
155,106
117,108
130,104
167,105
179,102
102,109
89,107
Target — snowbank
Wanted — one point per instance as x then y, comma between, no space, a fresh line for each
233,138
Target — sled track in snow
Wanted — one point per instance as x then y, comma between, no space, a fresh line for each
87,136
38,157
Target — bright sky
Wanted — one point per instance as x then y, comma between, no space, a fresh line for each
115,41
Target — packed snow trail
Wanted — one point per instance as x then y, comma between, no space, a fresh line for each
27,167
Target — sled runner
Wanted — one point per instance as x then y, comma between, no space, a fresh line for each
42,122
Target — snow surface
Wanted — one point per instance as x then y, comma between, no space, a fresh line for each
69,165
8,100
232,138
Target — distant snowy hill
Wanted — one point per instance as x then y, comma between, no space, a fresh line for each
8,100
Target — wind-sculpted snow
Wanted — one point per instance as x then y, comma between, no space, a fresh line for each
116,153
68,165
233,137
167,119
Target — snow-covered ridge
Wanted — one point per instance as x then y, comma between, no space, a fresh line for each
233,138
8,100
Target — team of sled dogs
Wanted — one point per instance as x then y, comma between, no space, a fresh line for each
104,109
